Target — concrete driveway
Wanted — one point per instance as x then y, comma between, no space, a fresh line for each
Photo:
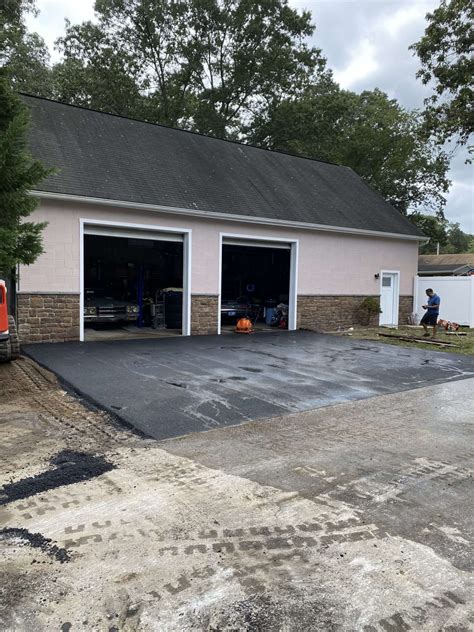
168,388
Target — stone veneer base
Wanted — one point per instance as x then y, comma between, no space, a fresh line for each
45,317
204,314
328,312
48,317
405,308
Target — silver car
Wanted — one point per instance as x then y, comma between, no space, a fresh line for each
100,308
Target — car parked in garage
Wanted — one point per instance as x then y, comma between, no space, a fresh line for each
237,308
100,307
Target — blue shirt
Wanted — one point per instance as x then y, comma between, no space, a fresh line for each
433,304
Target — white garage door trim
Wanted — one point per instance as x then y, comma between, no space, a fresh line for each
134,233
138,231
264,242
258,243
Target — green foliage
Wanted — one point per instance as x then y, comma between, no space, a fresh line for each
23,55
205,64
445,52
432,227
20,240
457,241
371,305
95,73
450,238
368,132
368,307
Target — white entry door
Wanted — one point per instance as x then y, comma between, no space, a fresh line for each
389,298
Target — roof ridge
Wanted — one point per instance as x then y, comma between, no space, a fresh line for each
453,255
180,129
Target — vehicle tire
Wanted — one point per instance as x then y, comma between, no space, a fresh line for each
14,339
5,351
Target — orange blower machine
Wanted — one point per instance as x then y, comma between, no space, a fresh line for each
244,326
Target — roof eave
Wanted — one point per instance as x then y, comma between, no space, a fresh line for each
221,216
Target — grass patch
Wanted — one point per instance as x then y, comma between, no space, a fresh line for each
464,344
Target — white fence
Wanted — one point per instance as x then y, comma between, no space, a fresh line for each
456,293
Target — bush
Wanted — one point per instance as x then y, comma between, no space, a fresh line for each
368,308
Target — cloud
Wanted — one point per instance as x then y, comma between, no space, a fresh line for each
461,205
393,24
361,65
50,21
380,33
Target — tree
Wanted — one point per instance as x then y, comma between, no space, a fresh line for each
96,74
24,55
209,65
432,227
251,54
445,52
458,241
368,132
449,237
306,124
20,240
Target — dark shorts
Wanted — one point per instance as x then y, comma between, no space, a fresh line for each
429,319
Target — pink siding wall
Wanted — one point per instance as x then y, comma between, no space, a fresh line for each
329,263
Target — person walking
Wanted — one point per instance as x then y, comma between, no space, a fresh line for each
430,318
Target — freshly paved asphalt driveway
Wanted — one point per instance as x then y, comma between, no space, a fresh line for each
171,387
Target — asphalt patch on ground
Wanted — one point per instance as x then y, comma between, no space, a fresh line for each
69,467
166,388
37,541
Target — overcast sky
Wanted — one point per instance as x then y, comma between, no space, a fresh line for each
366,45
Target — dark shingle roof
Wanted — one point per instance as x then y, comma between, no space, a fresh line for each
442,269
452,260
106,156
456,264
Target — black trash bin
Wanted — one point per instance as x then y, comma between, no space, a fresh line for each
173,303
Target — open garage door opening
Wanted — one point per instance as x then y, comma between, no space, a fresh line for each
256,285
132,286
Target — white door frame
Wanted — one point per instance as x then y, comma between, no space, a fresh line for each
187,255
293,289
396,293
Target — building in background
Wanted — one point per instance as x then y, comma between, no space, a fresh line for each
446,265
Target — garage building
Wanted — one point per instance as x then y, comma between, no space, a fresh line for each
146,215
